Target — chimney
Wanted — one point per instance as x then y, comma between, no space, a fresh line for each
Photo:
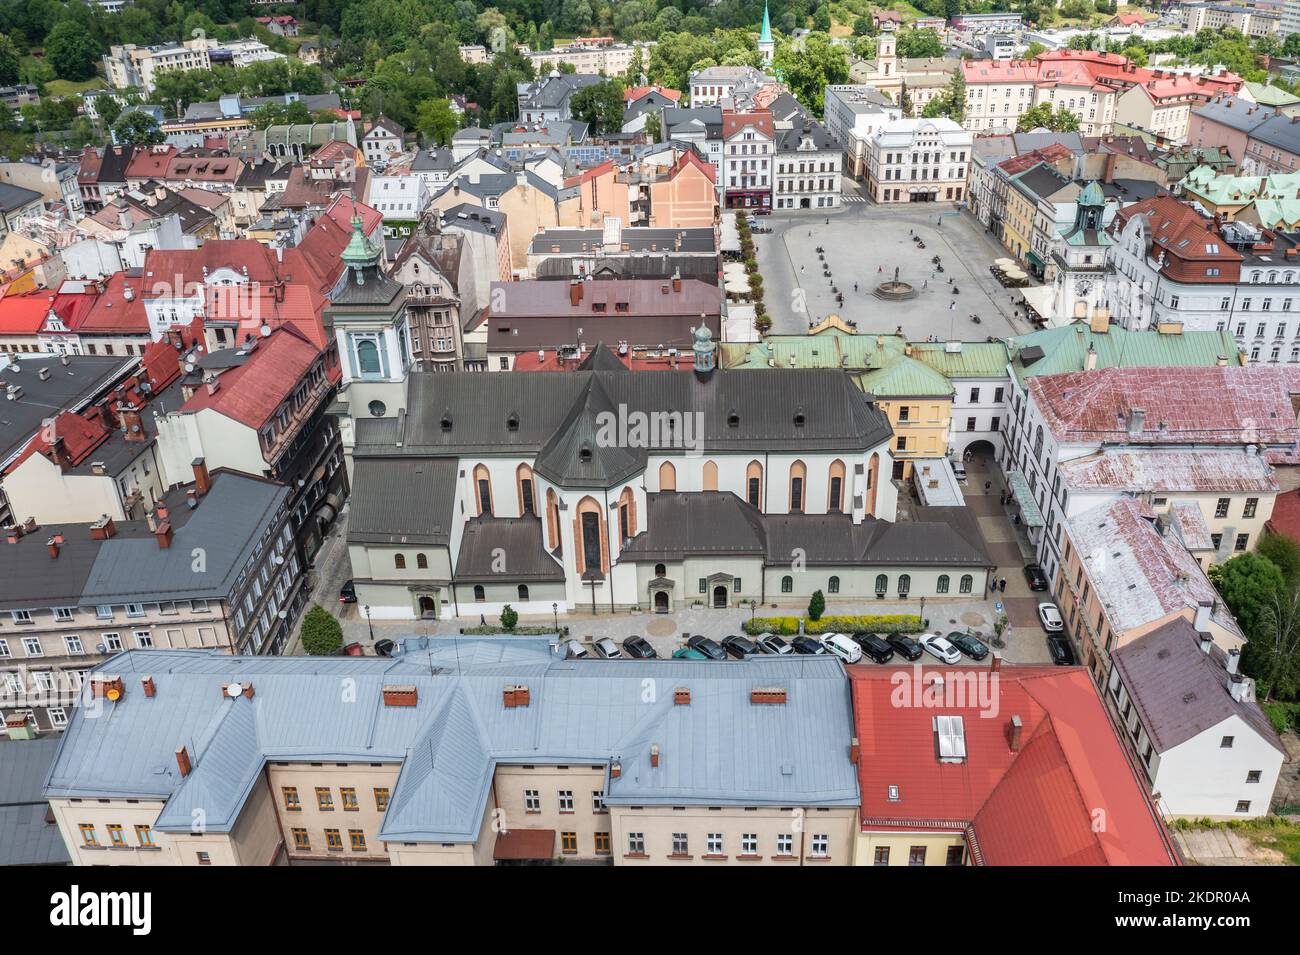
1202,620
149,687
53,547
767,694
677,280
163,533
30,526
202,482
855,751
1242,689
515,694
996,665
102,529
682,696
1136,420
132,425
575,292
13,533
1090,359
1222,361
615,770
654,756
1014,730
1234,658
248,690
405,695
1206,642
183,761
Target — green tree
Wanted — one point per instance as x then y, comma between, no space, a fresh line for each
600,105
10,61
1060,120
654,126
1249,583
817,605
919,43
137,128
1285,555
956,96
321,634
905,101
71,51
1076,9
809,70
1034,49
436,121
509,617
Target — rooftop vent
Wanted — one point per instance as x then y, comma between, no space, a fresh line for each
400,696
767,695
682,696
515,694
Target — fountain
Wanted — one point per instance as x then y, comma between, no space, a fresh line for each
896,290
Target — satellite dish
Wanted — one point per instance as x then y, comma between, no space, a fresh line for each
234,690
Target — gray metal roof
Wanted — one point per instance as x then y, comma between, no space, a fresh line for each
719,750
16,197
67,386
26,838
485,539
638,239
402,501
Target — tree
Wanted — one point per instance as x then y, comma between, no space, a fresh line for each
321,634
919,43
509,617
10,62
1272,655
905,101
1285,555
811,68
1076,9
436,121
817,605
600,105
1248,583
956,96
1034,49
1060,120
71,51
654,126
138,129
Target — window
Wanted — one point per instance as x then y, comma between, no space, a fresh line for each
422,561
787,584
1251,504
349,799
1221,508
1226,742
821,845
749,844
602,843
63,613
324,799
301,841
144,836
566,800
916,855
58,716
713,844
381,798
135,610
291,803
967,581
785,844
955,854
88,837
1241,543
115,836
523,591
636,843
4,648
532,801
32,647
1243,805
333,840
204,858
144,640
112,642
882,584
941,585
904,584
358,840
1253,776
681,845
882,855
399,561
597,801
21,616
833,585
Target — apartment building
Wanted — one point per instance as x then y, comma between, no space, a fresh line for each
435,267
918,160
853,114
732,87
806,167
599,55
128,66
77,594
749,147
318,786
1253,21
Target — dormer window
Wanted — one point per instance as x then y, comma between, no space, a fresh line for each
584,455
799,418
446,422
512,422
733,419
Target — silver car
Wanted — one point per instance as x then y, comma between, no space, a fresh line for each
606,648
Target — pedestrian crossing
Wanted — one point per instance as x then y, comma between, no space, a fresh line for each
852,198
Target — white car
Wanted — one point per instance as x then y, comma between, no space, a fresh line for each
1051,618
939,648
842,646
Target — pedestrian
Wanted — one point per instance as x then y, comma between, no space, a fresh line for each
987,486
482,620
880,268
1002,585
951,306
925,284
855,286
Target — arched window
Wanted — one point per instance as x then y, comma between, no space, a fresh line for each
627,514
422,561
589,529
754,484
882,584
553,520
399,561
942,586
523,591
1038,440
368,357
904,584
835,488
524,480
798,475
710,476
787,584
833,585
661,570
667,477
483,489
479,594
967,581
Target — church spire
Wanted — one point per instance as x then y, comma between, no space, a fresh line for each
766,46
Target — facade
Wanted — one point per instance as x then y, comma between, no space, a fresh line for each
732,87
918,160
593,56
806,168
1253,21
381,140
749,146
436,269
128,66
853,114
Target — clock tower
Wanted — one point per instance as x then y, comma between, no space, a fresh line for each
1082,287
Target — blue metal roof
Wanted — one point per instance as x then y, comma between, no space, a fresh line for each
719,750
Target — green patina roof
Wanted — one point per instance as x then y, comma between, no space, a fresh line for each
975,360
1266,95
359,252
905,378
1065,349
1204,182
766,35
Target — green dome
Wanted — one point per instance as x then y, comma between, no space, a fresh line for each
359,252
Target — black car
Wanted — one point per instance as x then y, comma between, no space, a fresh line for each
638,648
968,645
348,593
905,647
710,648
1062,652
809,645
1035,577
739,647
873,646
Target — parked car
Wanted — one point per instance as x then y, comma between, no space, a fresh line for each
1062,653
939,648
842,646
874,647
606,648
771,643
905,647
969,645
739,647
384,647
710,648
573,650
686,653
959,471
1035,577
1051,618
638,648
348,592
805,644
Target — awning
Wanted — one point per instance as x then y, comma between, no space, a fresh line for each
524,845
1039,298
1033,258
1029,512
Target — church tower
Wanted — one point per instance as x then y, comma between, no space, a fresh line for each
1081,288
706,352
887,51
766,45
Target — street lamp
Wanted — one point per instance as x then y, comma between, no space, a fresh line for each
555,615
369,624
922,611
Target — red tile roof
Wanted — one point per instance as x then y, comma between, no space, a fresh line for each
24,314
733,121
636,92
1034,806
1285,518
250,393
150,163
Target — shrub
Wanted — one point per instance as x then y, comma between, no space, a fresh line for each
509,617
321,634
1283,716
865,623
816,606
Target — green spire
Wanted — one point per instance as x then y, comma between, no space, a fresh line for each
766,35
359,252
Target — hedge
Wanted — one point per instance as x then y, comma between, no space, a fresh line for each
878,623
